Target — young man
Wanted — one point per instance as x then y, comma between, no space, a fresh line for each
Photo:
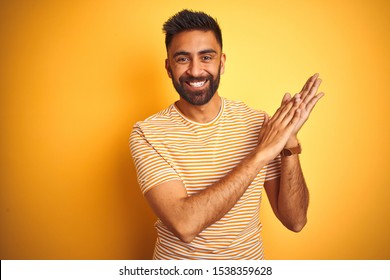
203,162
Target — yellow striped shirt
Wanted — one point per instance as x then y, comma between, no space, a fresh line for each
168,146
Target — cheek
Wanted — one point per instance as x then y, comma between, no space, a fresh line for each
174,77
173,73
176,71
214,68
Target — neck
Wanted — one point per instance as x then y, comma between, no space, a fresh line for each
201,113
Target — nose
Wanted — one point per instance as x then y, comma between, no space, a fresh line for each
195,68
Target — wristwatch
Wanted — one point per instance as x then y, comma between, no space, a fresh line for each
291,151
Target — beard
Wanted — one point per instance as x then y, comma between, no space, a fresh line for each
197,97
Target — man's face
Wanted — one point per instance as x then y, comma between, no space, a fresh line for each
195,63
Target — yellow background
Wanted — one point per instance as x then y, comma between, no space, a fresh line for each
76,75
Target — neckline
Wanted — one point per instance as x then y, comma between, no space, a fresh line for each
217,117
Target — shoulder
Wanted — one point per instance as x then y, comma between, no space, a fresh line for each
157,127
157,121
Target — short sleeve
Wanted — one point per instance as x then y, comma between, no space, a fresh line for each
152,169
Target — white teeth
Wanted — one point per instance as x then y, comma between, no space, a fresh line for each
197,84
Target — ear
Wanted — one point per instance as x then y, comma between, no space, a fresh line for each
223,60
168,68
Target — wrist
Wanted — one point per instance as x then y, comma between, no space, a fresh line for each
292,142
262,156
291,151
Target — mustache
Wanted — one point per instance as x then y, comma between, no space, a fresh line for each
192,79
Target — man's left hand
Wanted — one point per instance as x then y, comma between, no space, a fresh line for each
308,98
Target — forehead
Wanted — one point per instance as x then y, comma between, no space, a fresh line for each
194,41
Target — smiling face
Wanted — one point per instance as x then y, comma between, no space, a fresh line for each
195,63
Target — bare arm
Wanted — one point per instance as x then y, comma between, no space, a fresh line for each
288,195
186,216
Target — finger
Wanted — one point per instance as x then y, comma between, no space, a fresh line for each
297,97
291,113
287,103
282,111
313,101
309,83
286,98
277,113
295,119
293,122
309,86
312,92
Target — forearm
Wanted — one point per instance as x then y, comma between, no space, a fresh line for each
199,211
186,216
293,198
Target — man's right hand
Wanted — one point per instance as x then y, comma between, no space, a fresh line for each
276,131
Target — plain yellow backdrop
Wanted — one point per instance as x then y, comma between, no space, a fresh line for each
76,75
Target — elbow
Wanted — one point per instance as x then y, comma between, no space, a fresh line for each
297,226
186,238
185,233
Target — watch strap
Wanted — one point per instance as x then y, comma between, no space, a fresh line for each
291,151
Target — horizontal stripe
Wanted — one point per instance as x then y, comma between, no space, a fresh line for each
167,146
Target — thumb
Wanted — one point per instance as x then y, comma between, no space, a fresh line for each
266,119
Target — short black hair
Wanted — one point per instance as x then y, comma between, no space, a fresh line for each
188,20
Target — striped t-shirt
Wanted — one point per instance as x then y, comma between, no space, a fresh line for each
168,146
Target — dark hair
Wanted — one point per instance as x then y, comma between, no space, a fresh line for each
187,20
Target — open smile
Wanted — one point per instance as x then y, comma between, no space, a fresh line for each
197,84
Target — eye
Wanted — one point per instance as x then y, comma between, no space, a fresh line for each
182,59
207,58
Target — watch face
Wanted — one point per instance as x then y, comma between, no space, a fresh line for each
287,152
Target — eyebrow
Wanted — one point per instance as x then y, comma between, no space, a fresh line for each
199,53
